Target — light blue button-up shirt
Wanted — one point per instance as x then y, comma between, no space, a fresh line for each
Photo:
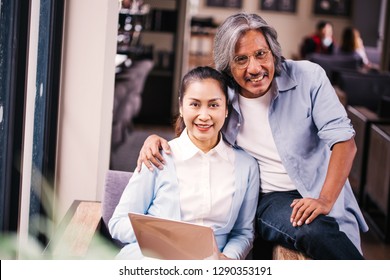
307,119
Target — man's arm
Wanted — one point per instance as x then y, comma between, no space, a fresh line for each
307,209
150,152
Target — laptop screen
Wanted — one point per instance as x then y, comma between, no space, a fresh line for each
173,240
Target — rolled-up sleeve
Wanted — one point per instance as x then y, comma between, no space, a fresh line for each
329,114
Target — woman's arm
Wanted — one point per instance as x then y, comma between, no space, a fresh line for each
242,234
150,152
136,197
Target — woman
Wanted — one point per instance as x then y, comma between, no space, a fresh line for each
205,181
352,44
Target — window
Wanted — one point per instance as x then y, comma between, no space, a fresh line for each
13,53
45,112
30,54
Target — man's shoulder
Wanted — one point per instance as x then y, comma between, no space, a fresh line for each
296,72
299,66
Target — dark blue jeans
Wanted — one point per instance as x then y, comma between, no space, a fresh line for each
321,239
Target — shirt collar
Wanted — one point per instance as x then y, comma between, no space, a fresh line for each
284,81
191,150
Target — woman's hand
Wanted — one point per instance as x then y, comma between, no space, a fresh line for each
305,210
150,152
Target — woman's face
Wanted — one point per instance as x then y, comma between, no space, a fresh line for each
255,79
204,110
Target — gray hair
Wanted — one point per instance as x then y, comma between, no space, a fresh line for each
231,30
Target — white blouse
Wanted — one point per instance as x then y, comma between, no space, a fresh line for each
206,181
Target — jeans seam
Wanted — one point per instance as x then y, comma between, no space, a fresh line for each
278,230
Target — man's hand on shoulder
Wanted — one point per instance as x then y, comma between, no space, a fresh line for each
150,152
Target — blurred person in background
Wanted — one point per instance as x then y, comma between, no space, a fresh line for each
320,42
352,44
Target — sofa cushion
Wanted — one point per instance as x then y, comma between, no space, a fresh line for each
115,184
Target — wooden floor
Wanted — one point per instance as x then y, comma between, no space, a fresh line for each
125,158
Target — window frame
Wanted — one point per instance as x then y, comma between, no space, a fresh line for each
16,21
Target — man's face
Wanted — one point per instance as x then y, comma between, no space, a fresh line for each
253,67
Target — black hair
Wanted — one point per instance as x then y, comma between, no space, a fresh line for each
321,24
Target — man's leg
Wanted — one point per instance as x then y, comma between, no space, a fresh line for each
321,239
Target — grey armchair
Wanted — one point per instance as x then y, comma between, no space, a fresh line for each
114,186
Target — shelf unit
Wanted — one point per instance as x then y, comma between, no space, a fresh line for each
160,33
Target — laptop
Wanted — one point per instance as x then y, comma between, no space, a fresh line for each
173,240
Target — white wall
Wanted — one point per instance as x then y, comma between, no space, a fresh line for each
291,27
86,102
